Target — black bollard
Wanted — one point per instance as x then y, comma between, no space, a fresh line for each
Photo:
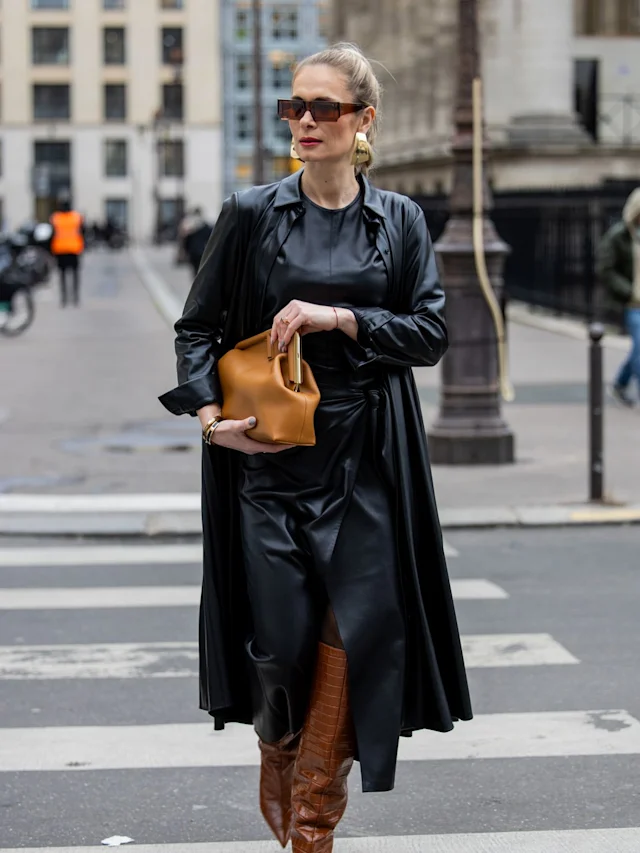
596,414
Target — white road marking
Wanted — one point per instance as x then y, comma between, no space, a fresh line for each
113,555
180,659
101,555
109,660
449,550
99,597
61,598
568,841
486,650
180,502
477,589
535,735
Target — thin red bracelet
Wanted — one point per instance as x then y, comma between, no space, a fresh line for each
337,318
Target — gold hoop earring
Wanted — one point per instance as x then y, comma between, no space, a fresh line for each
363,152
293,153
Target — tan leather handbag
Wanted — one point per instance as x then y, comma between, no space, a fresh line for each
278,389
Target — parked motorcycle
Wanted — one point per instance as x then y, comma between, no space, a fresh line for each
25,262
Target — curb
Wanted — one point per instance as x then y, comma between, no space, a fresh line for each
524,315
166,515
162,296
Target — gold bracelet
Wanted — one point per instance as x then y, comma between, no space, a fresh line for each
208,435
210,423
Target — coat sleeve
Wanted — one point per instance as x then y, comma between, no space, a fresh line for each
618,286
419,336
199,330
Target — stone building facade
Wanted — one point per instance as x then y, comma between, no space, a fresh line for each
118,101
561,81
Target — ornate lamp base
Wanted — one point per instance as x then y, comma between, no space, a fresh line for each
456,443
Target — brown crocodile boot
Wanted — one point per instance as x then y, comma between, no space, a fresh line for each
325,757
276,778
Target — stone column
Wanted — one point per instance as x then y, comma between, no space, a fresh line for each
543,101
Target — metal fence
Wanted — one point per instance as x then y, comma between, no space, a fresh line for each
553,239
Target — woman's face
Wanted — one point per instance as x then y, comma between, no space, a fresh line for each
326,141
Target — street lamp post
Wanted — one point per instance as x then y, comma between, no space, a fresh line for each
470,428
156,124
258,137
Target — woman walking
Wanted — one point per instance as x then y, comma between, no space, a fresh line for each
327,619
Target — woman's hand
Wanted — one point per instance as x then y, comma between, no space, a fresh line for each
233,434
303,317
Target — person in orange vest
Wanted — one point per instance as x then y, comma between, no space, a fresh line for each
67,245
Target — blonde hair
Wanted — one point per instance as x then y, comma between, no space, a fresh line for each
365,87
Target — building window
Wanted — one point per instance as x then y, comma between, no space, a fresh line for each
280,167
52,169
244,169
116,211
281,75
243,24
281,129
113,4
171,158
244,122
172,101
284,23
115,102
49,4
50,45
51,101
324,21
170,212
171,46
114,46
172,4
608,17
243,73
115,158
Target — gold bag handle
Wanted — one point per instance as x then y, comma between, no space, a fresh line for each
294,353
478,246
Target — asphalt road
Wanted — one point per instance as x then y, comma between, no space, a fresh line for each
550,626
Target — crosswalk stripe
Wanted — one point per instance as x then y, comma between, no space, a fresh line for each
83,598
107,503
115,555
488,650
567,841
101,555
476,589
180,659
540,735
108,660
449,550
98,597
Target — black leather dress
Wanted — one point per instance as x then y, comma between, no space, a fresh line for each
317,522
351,522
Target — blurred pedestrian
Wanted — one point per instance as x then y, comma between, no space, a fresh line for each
619,271
195,239
67,246
327,616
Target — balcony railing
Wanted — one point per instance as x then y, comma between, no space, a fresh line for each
619,120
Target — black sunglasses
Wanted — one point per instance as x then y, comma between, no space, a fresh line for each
294,109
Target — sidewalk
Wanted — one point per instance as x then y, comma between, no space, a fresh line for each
78,405
549,417
87,449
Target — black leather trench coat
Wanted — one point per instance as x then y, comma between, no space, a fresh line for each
225,306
